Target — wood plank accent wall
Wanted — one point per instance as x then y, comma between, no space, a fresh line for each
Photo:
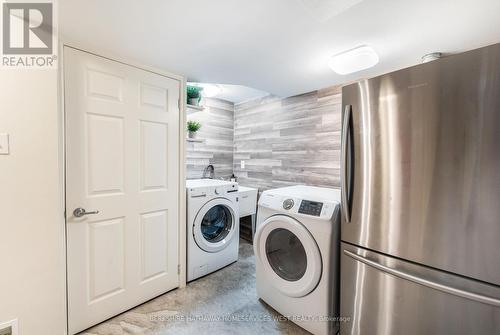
217,127
289,141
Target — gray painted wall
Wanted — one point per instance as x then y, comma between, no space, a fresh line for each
289,141
217,134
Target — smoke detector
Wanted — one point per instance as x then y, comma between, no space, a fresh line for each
431,56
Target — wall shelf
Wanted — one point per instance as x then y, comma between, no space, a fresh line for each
198,108
195,140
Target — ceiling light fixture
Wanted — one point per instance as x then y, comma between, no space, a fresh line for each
354,60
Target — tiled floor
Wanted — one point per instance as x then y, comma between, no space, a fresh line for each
228,293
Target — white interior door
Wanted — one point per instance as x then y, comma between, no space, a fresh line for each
122,154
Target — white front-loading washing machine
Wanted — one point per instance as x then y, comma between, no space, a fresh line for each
212,226
297,250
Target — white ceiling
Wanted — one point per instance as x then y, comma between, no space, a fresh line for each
278,46
235,93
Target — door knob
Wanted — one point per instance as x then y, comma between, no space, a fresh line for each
79,212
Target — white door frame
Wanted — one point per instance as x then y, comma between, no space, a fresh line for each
182,143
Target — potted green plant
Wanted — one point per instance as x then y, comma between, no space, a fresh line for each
192,128
194,95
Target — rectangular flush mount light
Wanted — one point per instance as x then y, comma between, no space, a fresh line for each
354,60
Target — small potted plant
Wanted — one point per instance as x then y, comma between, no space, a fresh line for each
194,95
192,128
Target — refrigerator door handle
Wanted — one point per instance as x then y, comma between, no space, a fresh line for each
425,282
346,164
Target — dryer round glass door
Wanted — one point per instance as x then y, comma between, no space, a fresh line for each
215,225
286,255
289,255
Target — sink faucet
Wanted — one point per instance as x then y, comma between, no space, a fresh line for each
209,172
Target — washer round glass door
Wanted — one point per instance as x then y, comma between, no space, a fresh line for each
289,255
214,225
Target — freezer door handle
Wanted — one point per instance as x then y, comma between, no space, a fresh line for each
425,282
346,164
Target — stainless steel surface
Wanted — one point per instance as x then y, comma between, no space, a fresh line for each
344,162
427,167
79,212
382,303
426,282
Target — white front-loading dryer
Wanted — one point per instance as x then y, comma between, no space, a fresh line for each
212,226
297,248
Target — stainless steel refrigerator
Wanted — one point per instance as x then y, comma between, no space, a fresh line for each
420,251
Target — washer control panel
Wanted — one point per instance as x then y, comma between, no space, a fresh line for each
310,207
198,190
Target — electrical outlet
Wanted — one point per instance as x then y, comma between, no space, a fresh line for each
242,164
9,328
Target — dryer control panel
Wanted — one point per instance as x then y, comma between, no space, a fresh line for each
300,207
310,207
